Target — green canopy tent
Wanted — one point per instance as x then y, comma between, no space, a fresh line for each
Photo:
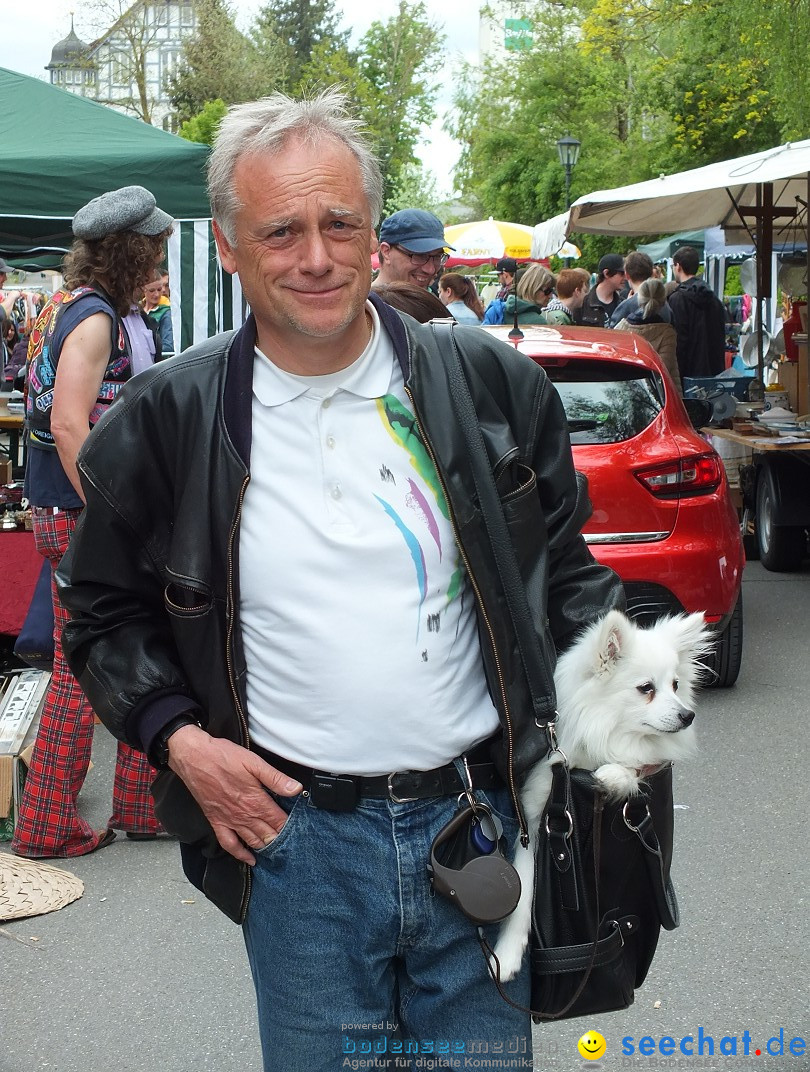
663,249
57,151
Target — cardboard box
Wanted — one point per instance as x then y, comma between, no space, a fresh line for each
6,475
22,696
794,376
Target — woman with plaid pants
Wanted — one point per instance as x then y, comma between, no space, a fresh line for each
89,339
49,823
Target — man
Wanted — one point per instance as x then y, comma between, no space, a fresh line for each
603,298
277,594
411,248
698,317
506,268
572,289
638,267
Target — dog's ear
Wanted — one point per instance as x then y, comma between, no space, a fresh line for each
612,641
692,635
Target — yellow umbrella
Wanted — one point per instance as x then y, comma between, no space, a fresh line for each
488,240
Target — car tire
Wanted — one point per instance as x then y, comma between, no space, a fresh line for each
781,547
726,659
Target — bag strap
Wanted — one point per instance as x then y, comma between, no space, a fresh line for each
538,675
665,900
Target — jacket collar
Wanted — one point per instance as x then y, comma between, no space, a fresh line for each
238,394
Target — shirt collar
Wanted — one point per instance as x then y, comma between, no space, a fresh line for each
368,377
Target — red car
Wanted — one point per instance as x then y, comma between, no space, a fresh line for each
662,512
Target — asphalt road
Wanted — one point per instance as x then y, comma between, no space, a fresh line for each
142,973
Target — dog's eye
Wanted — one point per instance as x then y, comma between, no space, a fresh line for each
675,684
647,689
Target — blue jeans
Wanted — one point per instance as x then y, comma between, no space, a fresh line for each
357,964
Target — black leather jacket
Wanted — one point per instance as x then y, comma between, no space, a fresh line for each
151,577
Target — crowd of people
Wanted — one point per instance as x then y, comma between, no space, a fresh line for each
683,321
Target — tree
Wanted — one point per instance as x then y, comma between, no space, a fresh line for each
412,188
399,59
299,27
203,127
219,62
389,81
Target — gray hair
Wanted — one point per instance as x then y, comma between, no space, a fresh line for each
264,126
652,297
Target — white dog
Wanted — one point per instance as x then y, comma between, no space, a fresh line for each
624,703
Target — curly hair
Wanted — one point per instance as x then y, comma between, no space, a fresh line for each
122,263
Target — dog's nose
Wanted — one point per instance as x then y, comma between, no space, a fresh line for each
687,717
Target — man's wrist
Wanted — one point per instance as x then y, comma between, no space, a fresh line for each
159,751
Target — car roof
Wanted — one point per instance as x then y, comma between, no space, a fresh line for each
540,340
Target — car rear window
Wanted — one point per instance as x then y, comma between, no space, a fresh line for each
606,401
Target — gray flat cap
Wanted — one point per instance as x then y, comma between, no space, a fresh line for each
132,208
4,268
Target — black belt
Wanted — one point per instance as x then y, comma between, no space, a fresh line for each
341,792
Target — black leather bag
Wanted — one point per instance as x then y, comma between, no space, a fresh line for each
602,887
602,893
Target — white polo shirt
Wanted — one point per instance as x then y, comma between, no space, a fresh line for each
358,617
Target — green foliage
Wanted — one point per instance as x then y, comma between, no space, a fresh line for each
413,187
299,27
219,62
647,86
203,126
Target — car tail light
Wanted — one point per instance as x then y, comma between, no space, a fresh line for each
699,474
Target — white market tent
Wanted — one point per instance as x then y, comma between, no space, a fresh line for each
729,194
761,198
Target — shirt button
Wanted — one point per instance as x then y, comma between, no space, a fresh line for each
327,402
330,442
336,492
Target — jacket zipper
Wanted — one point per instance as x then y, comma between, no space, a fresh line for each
229,660
524,831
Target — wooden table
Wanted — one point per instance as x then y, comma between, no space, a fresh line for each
782,444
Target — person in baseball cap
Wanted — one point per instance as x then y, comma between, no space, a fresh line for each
606,294
412,247
89,339
506,268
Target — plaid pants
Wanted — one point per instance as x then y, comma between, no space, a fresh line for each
49,823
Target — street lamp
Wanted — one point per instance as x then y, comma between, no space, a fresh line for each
568,149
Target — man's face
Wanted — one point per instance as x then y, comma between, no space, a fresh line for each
613,281
578,297
505,279
303,252
400,267
3,278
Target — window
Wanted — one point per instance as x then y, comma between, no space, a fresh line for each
606,401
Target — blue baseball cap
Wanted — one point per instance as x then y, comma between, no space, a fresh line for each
414,229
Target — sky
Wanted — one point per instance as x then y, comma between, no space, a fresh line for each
29,34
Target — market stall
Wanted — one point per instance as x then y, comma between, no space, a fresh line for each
60,150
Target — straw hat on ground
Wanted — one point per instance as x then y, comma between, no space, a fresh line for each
31,888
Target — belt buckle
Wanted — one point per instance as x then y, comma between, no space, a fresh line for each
392,794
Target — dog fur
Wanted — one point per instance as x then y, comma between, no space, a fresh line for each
625,707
